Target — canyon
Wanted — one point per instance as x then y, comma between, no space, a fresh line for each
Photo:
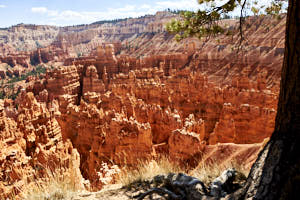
123,92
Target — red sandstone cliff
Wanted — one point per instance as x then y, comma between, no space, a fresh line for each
123,109
141,97
30,144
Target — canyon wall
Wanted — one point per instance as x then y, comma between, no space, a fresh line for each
122,109
217,57
29,37
135,94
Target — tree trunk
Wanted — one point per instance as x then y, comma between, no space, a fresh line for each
276,172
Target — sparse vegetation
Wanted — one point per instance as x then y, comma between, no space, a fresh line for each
56,185
36,72
208,172
114,21
63,184
14,95
2,95
146,170
174,11
205,22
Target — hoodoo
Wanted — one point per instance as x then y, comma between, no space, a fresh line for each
124,92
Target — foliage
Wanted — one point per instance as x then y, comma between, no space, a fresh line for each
114,21
194,24
275,8
205,22
14,95
2,95
36,72
174,11
200,23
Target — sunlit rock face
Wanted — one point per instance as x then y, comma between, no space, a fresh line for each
31,143
144,96
124,116
27,44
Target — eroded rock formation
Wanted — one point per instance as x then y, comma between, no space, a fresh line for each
139,109
31,143
134,99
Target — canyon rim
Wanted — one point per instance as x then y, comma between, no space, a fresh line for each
85,101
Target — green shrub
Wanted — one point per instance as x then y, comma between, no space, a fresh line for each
36,72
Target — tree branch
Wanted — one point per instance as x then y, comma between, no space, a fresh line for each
241,25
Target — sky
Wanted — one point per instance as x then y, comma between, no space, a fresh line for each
73,12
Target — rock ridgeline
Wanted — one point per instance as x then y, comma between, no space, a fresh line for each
259,61
146,36
123,109
26,45
182,100
217,57
29,37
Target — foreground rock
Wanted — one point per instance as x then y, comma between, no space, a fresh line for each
181,186
173,186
